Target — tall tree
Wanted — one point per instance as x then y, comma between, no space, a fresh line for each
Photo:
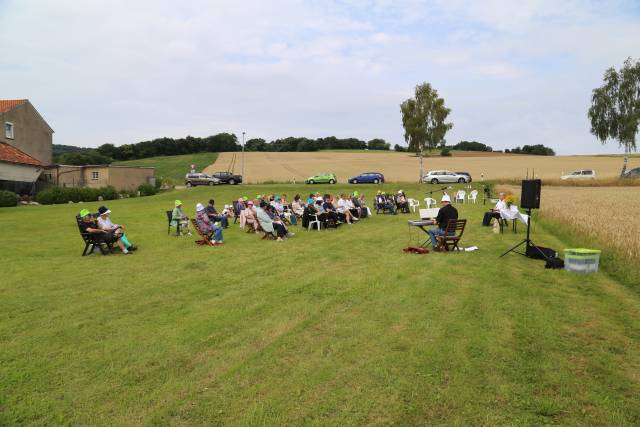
615,106
423,119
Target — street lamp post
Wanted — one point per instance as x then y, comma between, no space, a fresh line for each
243,179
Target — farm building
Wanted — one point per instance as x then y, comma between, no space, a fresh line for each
95,176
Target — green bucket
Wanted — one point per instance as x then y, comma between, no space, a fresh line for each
581,260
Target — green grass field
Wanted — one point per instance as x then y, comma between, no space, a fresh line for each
172,169
336,327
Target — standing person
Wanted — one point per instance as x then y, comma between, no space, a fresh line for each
207,227
90,225
214,216
495,212
178,217
446,212
105,223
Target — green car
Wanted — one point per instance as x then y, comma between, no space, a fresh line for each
322,178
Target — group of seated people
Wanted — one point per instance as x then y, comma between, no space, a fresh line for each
207,220
104,230
393,203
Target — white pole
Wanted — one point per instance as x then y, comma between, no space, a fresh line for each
243,180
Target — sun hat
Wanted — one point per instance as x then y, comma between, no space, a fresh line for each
84,212
103,210
245,198
355,193
250,203
446,198
178,203
199,207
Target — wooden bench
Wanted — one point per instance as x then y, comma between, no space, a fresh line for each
452,235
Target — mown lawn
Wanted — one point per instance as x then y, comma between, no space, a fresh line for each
172,169
335,327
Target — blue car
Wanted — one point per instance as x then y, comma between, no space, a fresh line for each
367,178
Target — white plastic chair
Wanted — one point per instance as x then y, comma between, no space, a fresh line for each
460,196
314,221
473,196
413,204
429,202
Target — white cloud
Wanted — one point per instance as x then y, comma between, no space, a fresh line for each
120,71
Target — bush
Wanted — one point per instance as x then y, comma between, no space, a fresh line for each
8,199
147,190
445,152
58,195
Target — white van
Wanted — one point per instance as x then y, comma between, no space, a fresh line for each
580,174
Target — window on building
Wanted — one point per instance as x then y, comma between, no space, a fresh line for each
95,175
8,130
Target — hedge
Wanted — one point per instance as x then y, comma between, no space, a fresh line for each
8,199
57,195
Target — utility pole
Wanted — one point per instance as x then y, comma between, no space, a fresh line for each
243,180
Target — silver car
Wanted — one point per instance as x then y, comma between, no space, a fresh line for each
193,179
437,177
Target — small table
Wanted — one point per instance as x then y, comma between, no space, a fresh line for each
513,214
421,223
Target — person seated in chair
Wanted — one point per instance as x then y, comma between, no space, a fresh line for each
267,222
207,227
248,217
446,212
332,214
178,217
402,202
105,223
495,212
214,216
297,206
88,224
344,207
355,201
390,203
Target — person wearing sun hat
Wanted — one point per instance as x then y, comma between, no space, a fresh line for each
446,212
105,223
207,227
178,217
88,224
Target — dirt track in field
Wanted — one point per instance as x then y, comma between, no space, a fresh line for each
401,167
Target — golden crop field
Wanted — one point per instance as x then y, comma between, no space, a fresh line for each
402,167
608,214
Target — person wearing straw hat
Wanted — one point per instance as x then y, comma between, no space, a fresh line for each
207,227
88,224
105,223
178,216
446,212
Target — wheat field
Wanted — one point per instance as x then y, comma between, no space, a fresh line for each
608,214
402,167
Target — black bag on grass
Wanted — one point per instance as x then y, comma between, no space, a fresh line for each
540,252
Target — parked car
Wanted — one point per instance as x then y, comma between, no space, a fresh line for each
324,177
228,178
193,179
580,174
437,177
367,177
465,173
632,173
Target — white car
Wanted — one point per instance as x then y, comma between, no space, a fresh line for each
437,177
580,174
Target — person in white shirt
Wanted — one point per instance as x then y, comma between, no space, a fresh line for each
344,207
495,212
117,230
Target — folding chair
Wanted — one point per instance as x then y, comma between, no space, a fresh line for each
91,241
206,240
452,235
169,218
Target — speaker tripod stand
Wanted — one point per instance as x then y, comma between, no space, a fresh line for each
529,245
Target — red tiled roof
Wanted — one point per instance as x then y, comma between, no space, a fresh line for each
11,154
8,104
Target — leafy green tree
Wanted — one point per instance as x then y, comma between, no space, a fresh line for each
615,106
378,144
423,119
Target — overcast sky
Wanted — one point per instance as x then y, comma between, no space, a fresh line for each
513,72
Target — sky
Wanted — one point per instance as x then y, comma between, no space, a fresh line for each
123,71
